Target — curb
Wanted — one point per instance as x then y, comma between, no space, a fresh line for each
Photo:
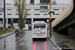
54,43
7,34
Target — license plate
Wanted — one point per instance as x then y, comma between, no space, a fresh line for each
39,34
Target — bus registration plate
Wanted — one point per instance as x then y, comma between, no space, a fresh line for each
39,34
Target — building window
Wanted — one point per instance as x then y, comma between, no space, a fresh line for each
45,14
37,9
9,14
0,14
16,14
36,14
55,9
28,9
15,20
28,21
16,9
56,14
48,9
28,14
9,9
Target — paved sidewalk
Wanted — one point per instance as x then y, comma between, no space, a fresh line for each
7,34
58,41
65,39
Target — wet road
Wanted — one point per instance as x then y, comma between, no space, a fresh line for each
8,43
25,42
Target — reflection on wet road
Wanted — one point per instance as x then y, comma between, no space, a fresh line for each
8,43
42,45
26,43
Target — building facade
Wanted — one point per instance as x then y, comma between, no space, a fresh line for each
35,13
1,2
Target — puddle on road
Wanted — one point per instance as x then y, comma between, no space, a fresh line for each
22,34
22,42
22,47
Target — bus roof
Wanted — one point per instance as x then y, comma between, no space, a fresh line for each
39,22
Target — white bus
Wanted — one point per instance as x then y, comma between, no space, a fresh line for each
39,29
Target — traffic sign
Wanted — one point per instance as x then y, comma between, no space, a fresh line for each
43,8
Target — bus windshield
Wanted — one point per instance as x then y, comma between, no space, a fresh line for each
37,25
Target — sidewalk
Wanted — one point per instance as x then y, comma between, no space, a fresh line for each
60,41
65,39
5,35
9,33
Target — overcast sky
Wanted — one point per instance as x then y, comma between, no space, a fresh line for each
37,1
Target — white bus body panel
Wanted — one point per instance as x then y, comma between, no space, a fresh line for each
39,35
